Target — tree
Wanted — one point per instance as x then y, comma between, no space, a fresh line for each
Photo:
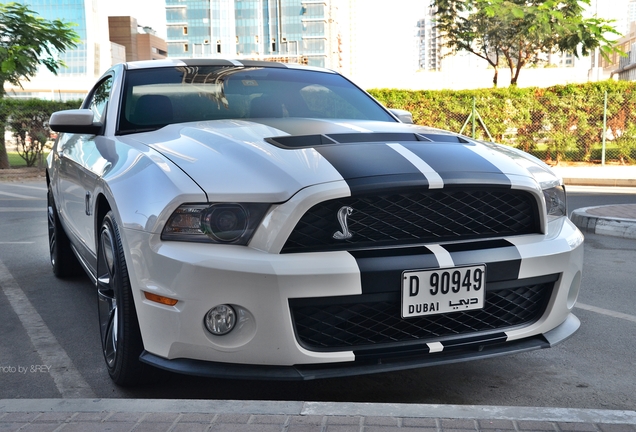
521,32
29,124
27,41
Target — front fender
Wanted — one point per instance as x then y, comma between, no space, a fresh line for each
143,188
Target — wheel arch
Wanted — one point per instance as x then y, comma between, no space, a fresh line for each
102,207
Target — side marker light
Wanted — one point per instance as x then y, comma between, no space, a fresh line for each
160,299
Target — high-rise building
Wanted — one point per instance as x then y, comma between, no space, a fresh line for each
86,58
615,10
284,30
83,63
429,42
95,52
631,11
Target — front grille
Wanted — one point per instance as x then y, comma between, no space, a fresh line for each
414,217
341,323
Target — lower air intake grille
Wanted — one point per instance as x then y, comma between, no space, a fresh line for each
340,323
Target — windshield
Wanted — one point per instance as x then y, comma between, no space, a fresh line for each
154,98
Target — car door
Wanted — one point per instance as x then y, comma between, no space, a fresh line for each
79,170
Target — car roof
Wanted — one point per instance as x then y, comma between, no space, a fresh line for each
172,62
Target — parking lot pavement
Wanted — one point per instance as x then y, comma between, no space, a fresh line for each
235,416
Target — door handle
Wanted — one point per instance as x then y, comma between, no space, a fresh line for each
87,202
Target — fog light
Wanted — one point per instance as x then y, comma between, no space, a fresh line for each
220,320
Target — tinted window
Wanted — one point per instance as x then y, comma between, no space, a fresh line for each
154,98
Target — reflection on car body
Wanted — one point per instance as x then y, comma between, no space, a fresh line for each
246,219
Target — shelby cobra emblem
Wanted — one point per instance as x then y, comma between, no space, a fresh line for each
345,234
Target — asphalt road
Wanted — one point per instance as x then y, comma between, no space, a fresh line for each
48,326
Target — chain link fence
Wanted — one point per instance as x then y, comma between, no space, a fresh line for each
552,131
594,125
590,126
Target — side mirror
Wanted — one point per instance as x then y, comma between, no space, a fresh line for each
402,115
78,121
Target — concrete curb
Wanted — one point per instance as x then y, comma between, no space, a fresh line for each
588,222
609,182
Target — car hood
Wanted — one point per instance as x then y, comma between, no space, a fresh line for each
272,159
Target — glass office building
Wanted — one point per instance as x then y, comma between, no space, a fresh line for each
84,63
84,59
282,30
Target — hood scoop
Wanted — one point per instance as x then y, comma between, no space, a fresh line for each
308,141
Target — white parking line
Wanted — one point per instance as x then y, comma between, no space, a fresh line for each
25,197
67,378
607,312
13,243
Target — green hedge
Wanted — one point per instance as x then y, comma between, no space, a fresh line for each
555,123
27,121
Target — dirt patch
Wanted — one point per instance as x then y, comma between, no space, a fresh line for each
19,174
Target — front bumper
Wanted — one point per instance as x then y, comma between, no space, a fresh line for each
389,364
261,285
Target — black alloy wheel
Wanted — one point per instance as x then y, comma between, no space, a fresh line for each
63,261
119,327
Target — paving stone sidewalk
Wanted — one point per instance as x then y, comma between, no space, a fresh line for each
264,416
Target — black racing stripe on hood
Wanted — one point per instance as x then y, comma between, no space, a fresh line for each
456,163
395,183
360,161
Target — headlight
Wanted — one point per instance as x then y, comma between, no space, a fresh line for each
555,202
232,223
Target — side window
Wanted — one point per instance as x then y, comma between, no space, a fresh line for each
100,98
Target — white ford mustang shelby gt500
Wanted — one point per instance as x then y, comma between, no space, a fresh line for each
259,220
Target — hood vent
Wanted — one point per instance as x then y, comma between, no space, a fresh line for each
307,141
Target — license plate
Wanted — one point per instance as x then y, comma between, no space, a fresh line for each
431,292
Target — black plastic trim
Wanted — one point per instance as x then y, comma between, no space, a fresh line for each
393,295
336,370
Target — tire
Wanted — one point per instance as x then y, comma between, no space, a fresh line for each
63,261
118,323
